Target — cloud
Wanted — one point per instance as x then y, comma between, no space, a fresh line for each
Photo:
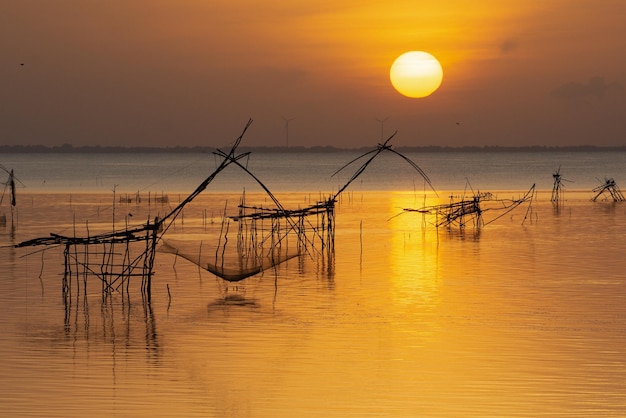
596,88
509,45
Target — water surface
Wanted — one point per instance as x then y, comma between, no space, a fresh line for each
517,318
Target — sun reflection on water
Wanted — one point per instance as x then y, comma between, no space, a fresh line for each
414,255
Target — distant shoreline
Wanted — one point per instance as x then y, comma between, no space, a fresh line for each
70,149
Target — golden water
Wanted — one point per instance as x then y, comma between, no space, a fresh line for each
509,320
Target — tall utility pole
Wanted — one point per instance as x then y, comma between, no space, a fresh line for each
287,130
382,127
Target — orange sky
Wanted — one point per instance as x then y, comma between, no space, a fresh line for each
191,72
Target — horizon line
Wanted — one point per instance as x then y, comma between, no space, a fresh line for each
69,148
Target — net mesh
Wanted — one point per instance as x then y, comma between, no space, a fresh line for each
230,264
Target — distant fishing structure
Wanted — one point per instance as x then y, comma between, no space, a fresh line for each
557,188
462,211
10,185
608,189
265,236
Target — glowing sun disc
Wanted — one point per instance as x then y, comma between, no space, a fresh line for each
416,74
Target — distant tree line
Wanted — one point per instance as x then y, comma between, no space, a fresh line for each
90,149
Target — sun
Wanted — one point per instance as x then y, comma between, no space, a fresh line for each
416,74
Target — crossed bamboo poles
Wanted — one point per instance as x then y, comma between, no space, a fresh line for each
114,273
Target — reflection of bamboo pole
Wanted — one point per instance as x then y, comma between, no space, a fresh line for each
86,259
225,242
361,243
126,266
67,272
200,255
219,239
153,243
76,262
240,225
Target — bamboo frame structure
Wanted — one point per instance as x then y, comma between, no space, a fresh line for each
558,187
610,188
314,223
116,257
263,236
461,212
11,185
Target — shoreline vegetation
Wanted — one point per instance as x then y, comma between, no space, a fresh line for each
70,149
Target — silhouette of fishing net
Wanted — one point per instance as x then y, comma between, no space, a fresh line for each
231,265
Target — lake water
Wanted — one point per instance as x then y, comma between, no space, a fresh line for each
525,316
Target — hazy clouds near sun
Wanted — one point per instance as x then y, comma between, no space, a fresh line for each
163,73
595,89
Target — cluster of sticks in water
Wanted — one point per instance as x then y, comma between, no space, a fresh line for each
608,189
264,235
